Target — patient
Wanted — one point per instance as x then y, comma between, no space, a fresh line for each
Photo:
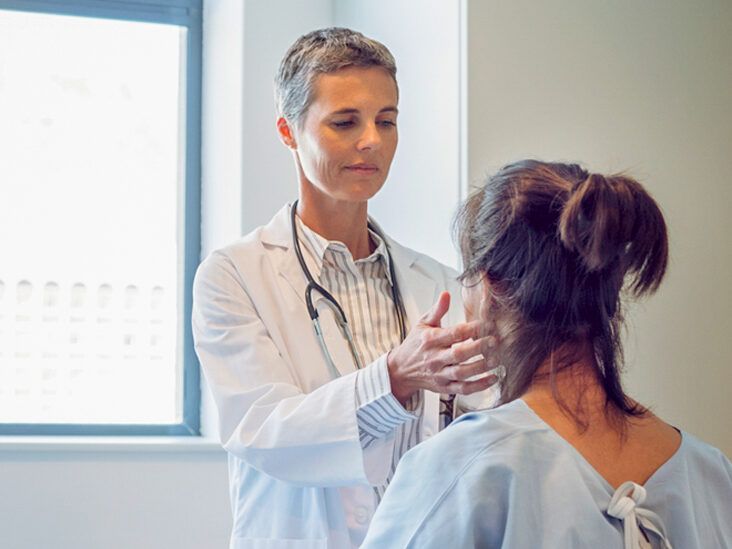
568,459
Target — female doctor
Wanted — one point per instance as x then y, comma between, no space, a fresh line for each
308,329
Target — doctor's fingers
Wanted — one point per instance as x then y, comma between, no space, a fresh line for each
489,344
433,317
470,387
461,352
461,372
445,337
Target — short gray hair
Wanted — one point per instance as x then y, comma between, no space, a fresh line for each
320,52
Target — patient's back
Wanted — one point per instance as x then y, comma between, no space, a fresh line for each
619,448
505,478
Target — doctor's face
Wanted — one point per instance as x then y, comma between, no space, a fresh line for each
348,136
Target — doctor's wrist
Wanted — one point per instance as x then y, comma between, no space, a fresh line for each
400,388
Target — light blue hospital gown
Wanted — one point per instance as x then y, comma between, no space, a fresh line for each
504,478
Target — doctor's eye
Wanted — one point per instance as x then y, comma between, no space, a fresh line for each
343,123
387,123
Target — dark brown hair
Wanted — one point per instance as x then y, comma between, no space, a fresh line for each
559,246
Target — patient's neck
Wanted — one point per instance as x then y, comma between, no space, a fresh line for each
567,382
618,446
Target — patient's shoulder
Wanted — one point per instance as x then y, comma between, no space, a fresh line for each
502,448
498,424
707,461
497,435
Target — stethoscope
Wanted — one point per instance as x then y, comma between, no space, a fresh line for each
333,304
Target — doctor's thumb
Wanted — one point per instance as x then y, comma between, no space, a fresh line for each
434,316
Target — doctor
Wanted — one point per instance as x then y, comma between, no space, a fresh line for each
310,330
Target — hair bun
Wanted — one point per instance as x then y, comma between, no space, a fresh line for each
593,222
607,219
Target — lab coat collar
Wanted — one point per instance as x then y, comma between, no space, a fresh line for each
278,232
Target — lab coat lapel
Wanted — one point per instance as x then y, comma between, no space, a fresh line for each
292,275
418,290
279,233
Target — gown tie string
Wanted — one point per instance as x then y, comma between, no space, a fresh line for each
625,505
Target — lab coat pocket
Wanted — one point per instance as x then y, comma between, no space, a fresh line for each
271,543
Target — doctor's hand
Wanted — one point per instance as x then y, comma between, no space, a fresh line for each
439,359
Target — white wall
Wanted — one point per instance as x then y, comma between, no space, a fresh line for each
113,499
222,127
643,86
270,27
247,173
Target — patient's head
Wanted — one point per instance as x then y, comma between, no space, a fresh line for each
549,248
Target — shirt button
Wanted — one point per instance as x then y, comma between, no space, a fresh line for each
361,514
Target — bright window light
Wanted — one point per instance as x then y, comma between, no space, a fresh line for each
91,210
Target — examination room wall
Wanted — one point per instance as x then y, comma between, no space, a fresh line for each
643,87
624,84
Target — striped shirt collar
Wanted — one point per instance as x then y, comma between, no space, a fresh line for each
317,246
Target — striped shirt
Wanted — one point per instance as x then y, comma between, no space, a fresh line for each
363,289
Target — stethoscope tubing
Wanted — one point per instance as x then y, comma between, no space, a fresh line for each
332,302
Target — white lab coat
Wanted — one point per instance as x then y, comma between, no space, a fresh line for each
298,475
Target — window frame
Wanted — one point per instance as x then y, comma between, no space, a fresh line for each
188,14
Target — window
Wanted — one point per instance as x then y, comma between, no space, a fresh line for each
99,216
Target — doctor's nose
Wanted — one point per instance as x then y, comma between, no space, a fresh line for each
370,138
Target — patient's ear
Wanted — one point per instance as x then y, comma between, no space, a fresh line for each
284,130
487,301
500,322
490,311
486,289
477,297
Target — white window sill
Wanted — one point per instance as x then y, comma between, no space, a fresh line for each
109,444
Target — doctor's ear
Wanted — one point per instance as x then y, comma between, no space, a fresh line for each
285,132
